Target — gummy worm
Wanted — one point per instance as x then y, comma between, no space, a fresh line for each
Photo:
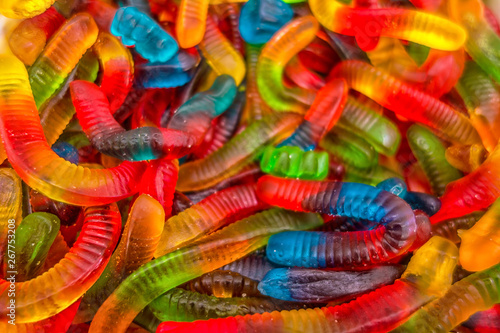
28,39
61,55
175,268
37,164
117,69
430,154
405,100
222,57
49,293
147,143
323,114
210,214
183,305
368,24
238,152
136,247
224,284
392,237
427,276
480,246
476,292
286,43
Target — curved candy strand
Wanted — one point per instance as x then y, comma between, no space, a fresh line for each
482,43
428,275
427,203
430,154
321,116
349,148
293,162
477,292
476,191
377,129
138,242
190,116
66,151
138,29
37,164
482,97
61,55
224,128
466,158
175,268
449,228
315,285
222,57
159,182
371,176
28,39
10,206
117,69
59,322
223,284
304,77
256,107
480,246
32,241
183,305
368,24
406,101
173,73
253,266
62,285
236,153
394,235
57,112
24,8
485,321
286,43
184,131
191,21
210,214
261,19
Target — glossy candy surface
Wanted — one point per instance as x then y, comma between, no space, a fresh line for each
135,138
367,25
287,42
405,100
32,158
314,285
182,265
392,237
260,19
146,143
29,38
61,55
138,29
47,294
399,300
292,162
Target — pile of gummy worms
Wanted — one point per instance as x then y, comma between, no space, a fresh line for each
249,166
